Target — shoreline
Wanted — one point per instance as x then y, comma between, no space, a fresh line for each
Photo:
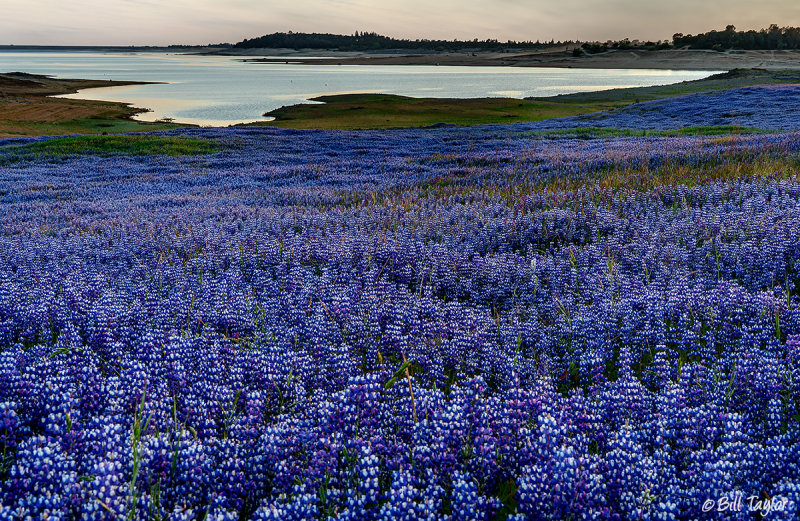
671,59
384,111
32,106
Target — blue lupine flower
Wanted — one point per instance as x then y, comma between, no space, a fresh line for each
459,324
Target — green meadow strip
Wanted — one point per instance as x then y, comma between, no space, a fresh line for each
125,144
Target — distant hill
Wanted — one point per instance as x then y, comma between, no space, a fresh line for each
373,42
771,38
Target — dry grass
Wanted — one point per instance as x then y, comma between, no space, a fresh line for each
26,108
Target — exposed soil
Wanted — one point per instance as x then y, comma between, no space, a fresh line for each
27,107
676,59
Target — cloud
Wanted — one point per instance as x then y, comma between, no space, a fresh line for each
126,22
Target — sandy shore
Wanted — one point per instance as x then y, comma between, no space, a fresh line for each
562,57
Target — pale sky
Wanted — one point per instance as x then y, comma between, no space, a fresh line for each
163,22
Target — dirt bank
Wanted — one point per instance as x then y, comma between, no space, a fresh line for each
681,59
27,108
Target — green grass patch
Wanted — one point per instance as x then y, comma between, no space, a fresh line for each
97,124
602,132
722,130
122,144
381,111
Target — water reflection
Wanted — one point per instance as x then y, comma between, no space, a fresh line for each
222,90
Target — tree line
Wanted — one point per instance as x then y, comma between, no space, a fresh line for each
772,38
364,41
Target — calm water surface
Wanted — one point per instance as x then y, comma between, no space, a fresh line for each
222,90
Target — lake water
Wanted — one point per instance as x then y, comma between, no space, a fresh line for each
222,90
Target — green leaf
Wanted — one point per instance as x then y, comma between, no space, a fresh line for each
59,351
397,375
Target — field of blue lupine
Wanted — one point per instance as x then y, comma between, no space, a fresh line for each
766,107
460,324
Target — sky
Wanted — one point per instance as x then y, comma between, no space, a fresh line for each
164,22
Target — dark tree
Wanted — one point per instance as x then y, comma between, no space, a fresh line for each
364,41
772,38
